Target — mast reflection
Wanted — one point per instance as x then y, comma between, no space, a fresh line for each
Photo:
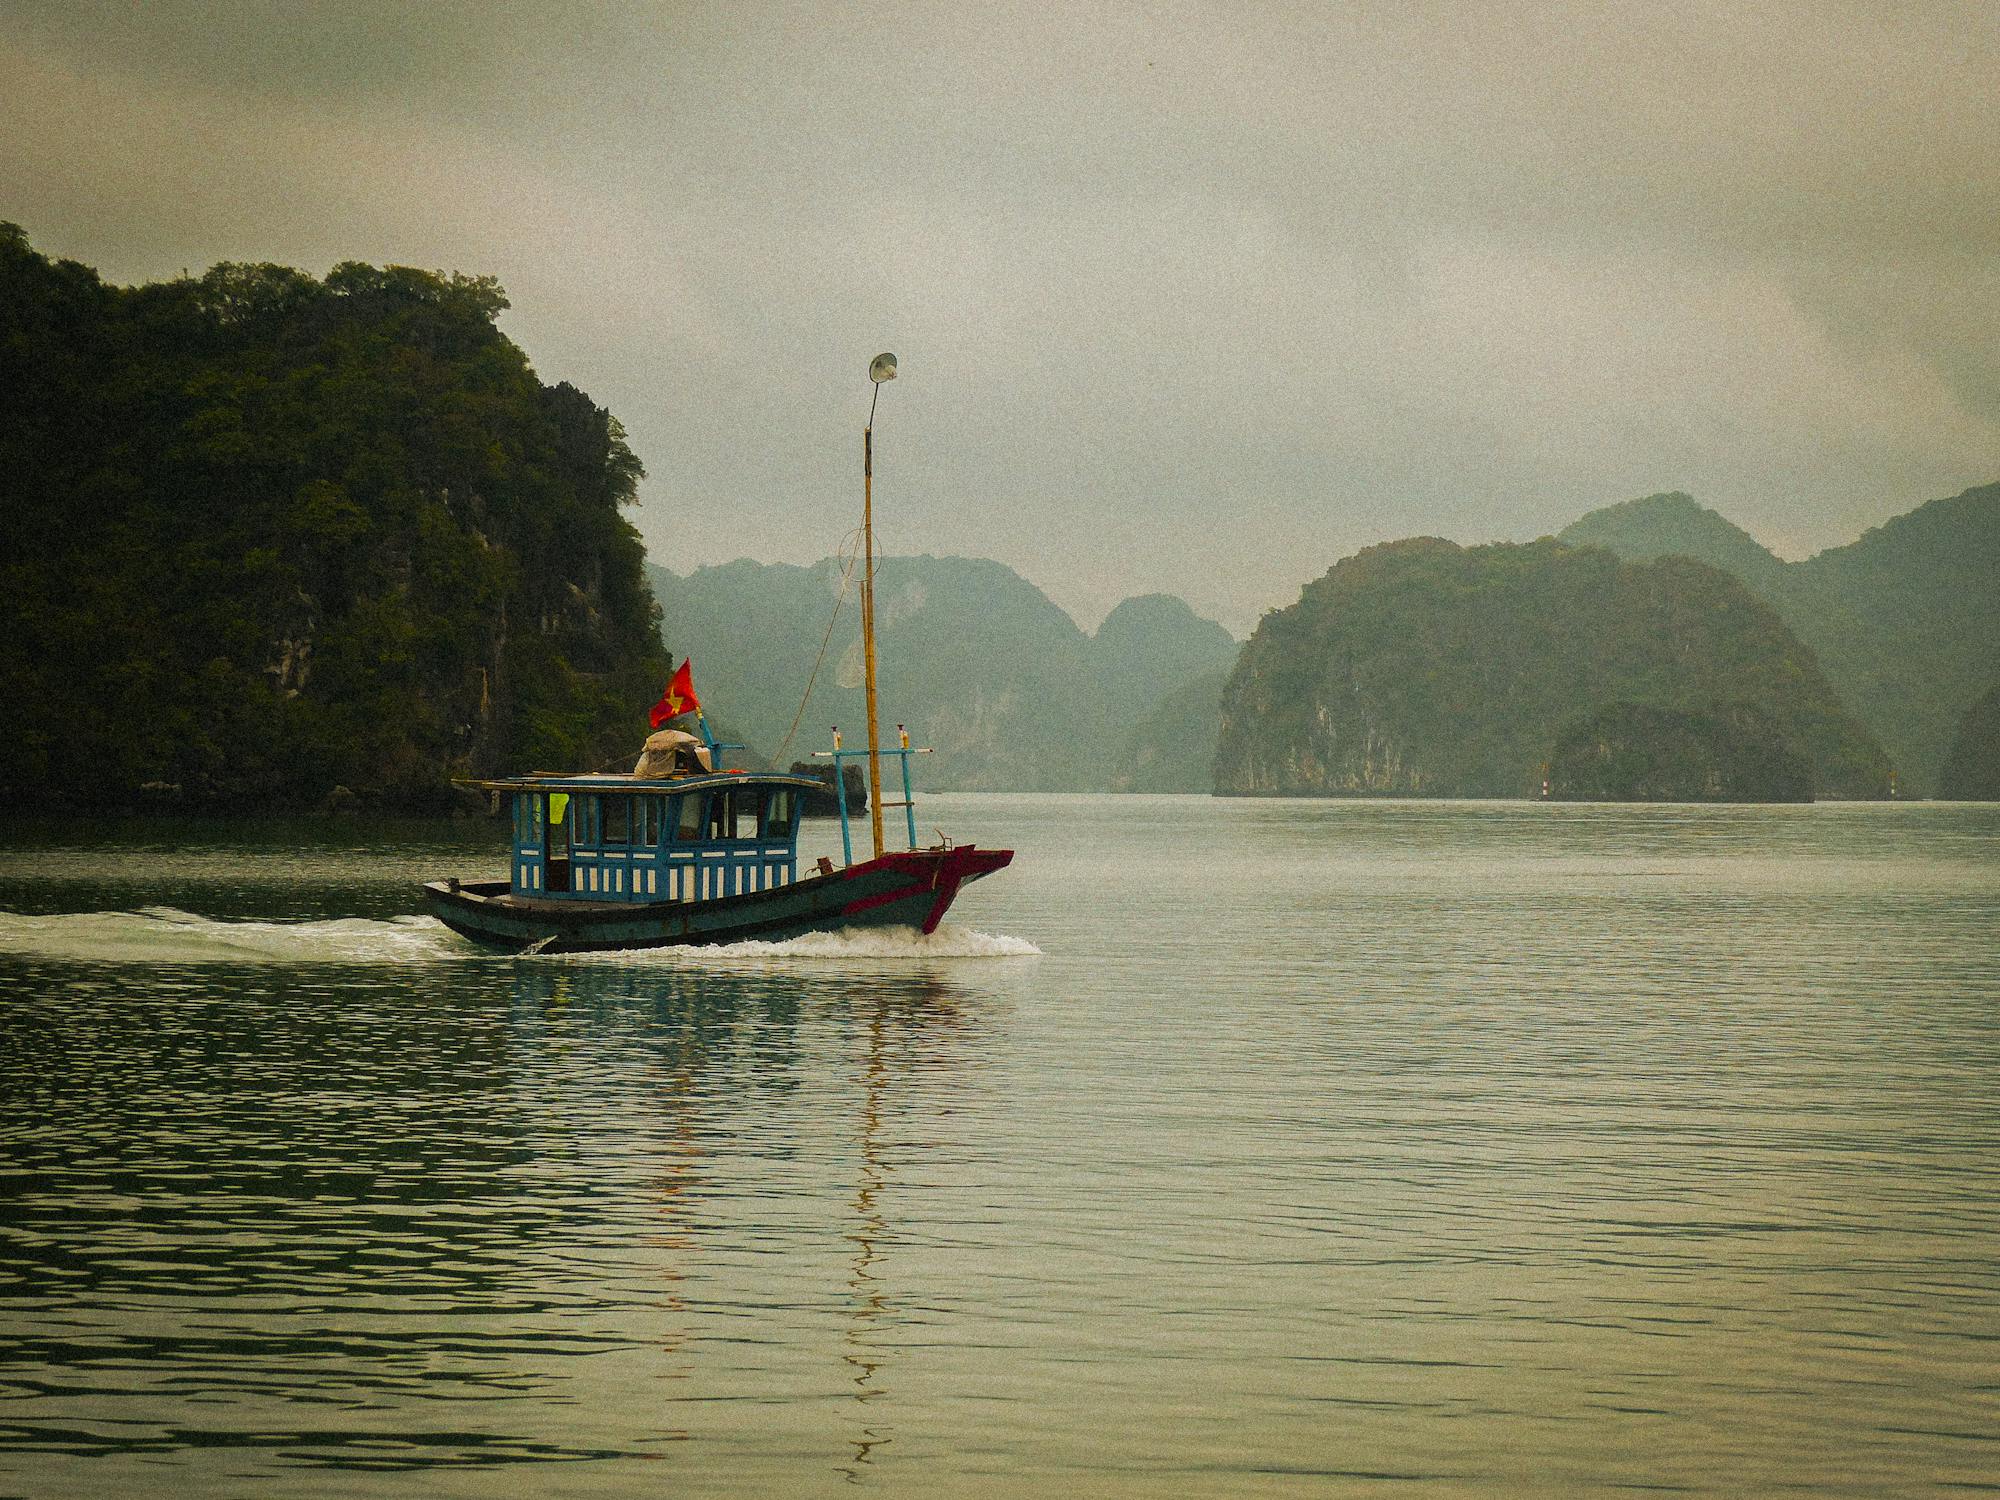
727,1061
905,1028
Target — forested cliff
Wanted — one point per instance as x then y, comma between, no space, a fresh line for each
1422,668
264,536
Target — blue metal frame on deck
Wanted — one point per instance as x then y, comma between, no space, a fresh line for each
902,752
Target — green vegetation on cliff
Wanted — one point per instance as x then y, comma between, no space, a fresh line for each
1972,769
263,535
1422,668
1905,622
1631,752
975,659
1674,525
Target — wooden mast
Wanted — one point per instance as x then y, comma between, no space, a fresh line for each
868,622
881,368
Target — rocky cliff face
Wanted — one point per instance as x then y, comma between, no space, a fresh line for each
1422,668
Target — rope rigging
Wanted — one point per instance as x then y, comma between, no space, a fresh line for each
849,549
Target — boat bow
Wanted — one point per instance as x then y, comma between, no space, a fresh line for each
937,871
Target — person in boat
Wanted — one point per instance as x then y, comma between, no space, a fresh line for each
672,752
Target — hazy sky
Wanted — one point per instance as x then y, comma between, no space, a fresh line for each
1188,297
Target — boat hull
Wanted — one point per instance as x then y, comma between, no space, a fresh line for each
905,889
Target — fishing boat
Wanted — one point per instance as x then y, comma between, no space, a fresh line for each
684,851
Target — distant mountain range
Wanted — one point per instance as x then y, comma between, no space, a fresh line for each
977,661
1905,622
273,542
1418,667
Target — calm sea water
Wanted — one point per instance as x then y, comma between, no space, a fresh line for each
1323,1148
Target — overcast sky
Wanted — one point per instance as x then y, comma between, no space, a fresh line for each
1188,297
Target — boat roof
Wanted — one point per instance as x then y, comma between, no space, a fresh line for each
612,781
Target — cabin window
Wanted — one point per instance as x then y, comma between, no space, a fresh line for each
646,822
687,818
777,819
722,815
617,820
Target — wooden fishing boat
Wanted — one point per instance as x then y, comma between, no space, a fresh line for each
683,852
603,862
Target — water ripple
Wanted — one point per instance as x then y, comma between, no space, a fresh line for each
1473,1150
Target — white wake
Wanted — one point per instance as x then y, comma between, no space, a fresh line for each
164,935
848,945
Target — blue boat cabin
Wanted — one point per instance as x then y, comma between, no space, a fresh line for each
620,838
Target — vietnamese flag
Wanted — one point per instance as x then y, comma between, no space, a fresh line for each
679,697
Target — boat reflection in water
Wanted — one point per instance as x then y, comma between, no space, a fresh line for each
735,1077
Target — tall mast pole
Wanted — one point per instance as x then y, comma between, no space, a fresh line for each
883,368
868,624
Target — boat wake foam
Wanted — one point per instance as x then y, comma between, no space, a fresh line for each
165,935
849,944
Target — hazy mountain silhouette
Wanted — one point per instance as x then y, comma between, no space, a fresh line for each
1904,621
975,660
1972,769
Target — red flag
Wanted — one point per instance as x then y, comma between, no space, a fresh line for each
679,697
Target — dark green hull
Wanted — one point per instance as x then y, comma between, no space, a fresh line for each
910,889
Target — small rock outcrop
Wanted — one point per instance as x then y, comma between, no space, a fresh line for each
1632,752
823,803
